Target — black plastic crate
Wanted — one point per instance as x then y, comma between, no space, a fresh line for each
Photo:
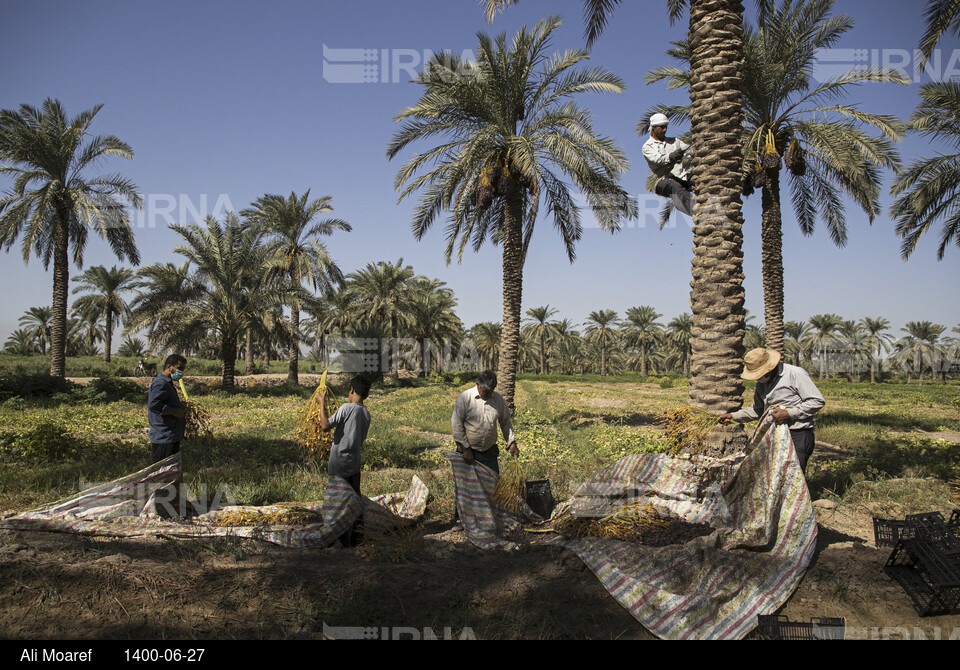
933,528
540,497
779,627
887,532
929,576
954,520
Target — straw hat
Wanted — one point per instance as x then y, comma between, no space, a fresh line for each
759,362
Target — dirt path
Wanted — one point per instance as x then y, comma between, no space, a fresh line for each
64,586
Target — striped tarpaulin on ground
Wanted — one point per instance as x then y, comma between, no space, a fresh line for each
713,586
126,507
483,522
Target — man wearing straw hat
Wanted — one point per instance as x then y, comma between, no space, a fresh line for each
790,394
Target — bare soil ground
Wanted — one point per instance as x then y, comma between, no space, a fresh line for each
55,586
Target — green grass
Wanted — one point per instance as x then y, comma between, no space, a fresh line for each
567,428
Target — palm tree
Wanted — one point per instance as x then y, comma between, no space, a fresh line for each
433,320
21,342
539,326
642,330
227,291
511,137
601,329
920,348
565,344
824,337
291,235
380,292
330,313
929,190
856,346
76,344
154,285
941,16
37,322
54,204
104,288
796,340
90,316
680,336
879,343
755,337
486,338
716,38
825,145
132,347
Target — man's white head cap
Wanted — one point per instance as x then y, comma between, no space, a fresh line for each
659,120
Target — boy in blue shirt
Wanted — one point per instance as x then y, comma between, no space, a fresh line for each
350,424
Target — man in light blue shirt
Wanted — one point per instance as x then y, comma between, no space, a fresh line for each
665,159
788,391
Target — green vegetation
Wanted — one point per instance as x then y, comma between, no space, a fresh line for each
567,427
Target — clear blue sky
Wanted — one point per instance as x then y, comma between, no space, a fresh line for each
223,102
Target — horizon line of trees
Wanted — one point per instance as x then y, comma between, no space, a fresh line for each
389,305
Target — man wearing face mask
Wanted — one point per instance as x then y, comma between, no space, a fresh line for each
164,409
789,391
476,415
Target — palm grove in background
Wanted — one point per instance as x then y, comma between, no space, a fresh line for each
504,148
431,336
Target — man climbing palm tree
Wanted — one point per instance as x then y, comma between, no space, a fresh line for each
665,157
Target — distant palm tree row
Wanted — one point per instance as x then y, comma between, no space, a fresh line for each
640,342
390,304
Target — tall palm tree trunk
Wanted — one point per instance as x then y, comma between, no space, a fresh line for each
108,336
771,239
512,295
543,356
294,369
250,363
293,372
424,358
228,352
717,296
61,281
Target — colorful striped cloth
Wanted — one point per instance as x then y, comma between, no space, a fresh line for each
712,587
126,507
483,522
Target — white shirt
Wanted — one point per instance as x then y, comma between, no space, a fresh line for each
474,421
658,153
